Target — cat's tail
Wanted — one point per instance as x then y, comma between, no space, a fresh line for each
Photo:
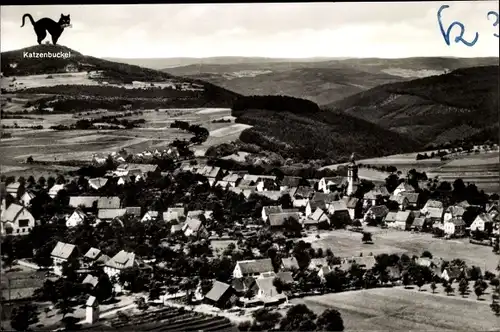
30,17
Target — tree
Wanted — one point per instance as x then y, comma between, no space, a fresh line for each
141,304
24,316
406,279
330,320
433,287
427,254
463,286
264,319
298,318
367,237
495,307
448,289
154,291
104,288
478,290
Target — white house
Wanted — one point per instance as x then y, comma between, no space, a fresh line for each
252,268
326,184
60,254
481,222
97,183
455,227
118,263
454,211
27,197
323,271
193,227
76,218
16,220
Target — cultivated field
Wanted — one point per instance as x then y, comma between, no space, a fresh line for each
398,309
346,243
481,168
51,145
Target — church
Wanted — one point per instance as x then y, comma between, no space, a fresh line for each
352,176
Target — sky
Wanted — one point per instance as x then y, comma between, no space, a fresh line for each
279,30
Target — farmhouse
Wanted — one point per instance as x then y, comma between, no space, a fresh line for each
317,263
412,199
289,182
13,188
455,227
431,203
434,215
402,220
16,220
252,268
454,211
150,215
76,218
110,214
418,224
61,253
338,212
372,198
119,262
331,184
133,211
194,227
221,295
266,291
231,179
93,256
365,262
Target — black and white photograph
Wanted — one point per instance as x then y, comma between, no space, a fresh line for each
226,167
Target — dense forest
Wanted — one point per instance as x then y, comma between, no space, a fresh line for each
305,132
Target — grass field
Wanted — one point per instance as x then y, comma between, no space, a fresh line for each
346,243
398,309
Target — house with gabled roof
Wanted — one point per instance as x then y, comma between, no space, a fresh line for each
376,213
12,188
119,262
453,211
112,202
331,184
301,195
173,213
289,264
61,253
338,212
431,203
403,187
110,214
365,262
434,215
93,256
319,216
354,206
320,200
323,271
418,224
221,295
86,202
277,220
232,179
267,292
483,223
97,183
273,209
55,189
76,218
401,200
194,227
91,281
372,198
317,263
402,220
133,211
252,268
27,197
454,227
413,199
16,220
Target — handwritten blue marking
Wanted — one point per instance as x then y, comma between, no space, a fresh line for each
446,35
496,22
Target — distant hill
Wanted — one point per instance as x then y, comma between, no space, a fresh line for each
436,109
162,63
322,81
299,129
114,82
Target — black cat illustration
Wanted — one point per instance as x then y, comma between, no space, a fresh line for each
46,24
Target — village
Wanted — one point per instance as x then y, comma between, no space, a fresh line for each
226,245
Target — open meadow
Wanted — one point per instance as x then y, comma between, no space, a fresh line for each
398,309
347,243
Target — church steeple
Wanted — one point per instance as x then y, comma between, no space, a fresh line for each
352,176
